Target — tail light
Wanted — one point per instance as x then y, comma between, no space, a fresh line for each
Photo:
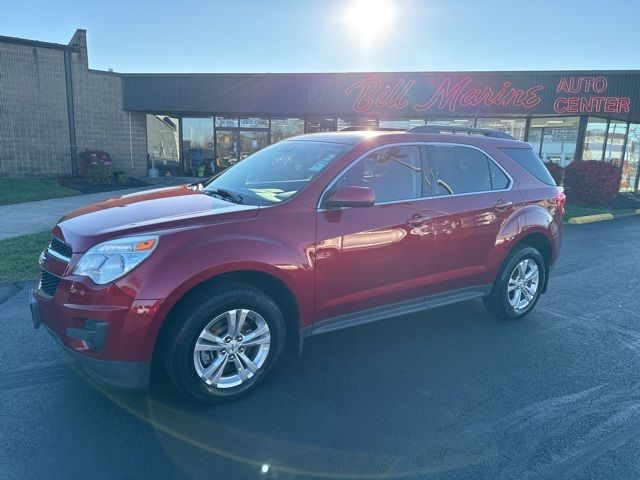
561,200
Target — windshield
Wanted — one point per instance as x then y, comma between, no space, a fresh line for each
276,173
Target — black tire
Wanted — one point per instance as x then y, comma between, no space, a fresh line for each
192,318
497,302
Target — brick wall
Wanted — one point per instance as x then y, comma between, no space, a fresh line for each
34,125
101,123
34,128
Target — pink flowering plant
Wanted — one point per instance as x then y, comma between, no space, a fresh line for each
98,166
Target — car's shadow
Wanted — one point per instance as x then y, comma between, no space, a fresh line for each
358,401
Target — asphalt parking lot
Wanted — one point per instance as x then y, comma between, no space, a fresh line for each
450,394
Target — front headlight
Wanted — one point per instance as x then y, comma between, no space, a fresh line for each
105,262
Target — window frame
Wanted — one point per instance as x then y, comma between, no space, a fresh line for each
426,166
487,156
423,164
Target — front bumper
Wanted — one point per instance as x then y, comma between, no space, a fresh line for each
110,372
105,331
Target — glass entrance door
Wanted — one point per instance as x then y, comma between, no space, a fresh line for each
226,148
237,138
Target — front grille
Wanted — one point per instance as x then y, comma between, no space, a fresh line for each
61,248
48,283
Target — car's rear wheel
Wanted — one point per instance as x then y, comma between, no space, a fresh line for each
223,342
519,284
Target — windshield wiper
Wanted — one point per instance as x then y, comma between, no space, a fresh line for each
224,194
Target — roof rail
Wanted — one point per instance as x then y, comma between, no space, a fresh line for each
372,128
464,130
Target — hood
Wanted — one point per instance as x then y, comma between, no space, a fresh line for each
149,211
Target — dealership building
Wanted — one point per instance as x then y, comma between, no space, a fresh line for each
53,106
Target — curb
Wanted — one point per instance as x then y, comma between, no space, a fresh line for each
591,218
601,217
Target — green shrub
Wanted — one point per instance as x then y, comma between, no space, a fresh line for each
120,176
97,166
591,182
556,171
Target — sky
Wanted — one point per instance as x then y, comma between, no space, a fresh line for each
336,35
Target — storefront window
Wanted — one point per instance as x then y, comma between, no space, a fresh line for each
226,122
594,139
320,124
349,121
631,160
452,122
402,124
254,122
163,140
555,138
535,138
282,128
513,126
251,141
253,135
197,146
615,142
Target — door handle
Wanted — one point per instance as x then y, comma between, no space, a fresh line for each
502,205
417,220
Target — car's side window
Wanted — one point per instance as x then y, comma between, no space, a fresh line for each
459,169
499,181
394,173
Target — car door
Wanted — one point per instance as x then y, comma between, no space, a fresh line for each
474,197
378,255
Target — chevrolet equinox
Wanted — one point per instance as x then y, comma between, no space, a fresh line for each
211,281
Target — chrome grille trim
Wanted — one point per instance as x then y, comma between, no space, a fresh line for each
60,249
53,253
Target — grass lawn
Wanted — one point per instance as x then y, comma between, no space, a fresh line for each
20,256
18,190
578,211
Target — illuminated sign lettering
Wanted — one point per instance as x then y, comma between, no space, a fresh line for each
449,97
582,84
468,94
586,103
372,93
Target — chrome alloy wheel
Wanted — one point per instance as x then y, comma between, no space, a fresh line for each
232,348
523,284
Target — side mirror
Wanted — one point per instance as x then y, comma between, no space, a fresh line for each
351,196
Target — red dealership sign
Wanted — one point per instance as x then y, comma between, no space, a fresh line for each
464,94
449,96
402,95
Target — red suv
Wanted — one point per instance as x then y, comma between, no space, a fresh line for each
312,234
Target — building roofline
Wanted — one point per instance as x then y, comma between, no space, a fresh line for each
37,43
104,72
411,72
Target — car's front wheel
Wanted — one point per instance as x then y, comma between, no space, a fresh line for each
519,284
223,342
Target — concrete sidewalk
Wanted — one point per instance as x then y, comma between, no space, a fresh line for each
33,217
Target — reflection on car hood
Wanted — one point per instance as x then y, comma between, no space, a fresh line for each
152,210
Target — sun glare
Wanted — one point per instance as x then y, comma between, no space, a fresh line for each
369,20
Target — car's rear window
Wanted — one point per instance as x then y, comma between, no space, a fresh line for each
528,159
